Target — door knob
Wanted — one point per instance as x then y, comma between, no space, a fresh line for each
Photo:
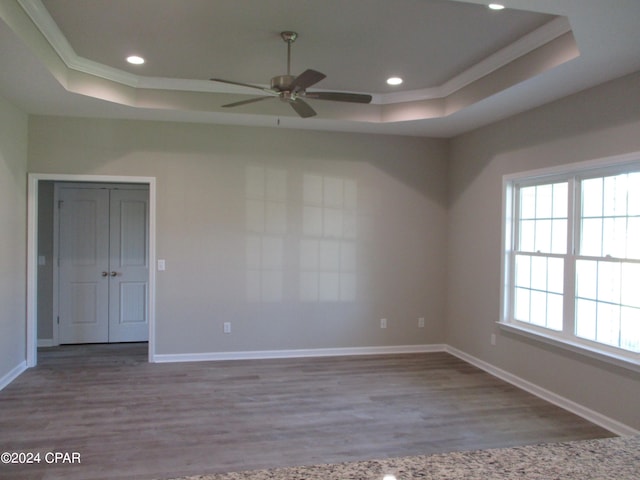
104,274
114,274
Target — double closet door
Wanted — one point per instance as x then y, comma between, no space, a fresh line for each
103,273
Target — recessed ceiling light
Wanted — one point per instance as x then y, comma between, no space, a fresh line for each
394,80
496,6
135,60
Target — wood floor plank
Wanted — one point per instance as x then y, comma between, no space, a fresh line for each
131,419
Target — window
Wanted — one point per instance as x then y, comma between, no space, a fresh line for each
572,256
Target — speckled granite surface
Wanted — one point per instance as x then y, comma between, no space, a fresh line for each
615,458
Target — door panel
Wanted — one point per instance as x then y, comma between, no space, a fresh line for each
84,245
128,316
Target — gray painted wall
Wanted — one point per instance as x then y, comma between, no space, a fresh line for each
597,123
299,239
13,200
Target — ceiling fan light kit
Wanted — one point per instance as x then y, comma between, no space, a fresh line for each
293,89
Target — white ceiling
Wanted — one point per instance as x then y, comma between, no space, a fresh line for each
464,65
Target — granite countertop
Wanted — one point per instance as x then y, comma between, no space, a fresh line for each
613,458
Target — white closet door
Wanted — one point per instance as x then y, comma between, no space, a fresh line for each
104,265
84,265
129,266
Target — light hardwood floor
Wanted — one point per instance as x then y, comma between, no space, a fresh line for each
135,420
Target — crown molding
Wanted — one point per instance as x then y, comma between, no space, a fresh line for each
524,45
52,33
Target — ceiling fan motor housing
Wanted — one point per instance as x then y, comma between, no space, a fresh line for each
282,83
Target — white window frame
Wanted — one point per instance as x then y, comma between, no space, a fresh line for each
564,339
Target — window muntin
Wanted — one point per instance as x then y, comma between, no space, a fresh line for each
574,262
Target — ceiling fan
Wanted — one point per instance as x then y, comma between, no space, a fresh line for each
293,90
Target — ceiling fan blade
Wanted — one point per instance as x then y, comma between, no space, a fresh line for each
240,84
339,97
306,79
245,102
302,108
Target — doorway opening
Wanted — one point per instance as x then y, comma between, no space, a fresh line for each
105,241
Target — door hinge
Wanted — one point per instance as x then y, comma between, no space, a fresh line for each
58,319
60,202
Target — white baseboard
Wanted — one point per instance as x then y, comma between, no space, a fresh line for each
594,417
314,352
45,342
13,374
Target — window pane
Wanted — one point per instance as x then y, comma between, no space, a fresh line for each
527,235
633,184
559,236
633,238
554,312
538,308
591,237
560,198
615,195
528,202
592,197
586,319
609,282
555,274
630,285
586,279
522,305
543,236
539,273
614,237
544,197
523,271
630,329
608,324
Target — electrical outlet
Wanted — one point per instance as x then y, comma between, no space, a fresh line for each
162,265
493,339
226,327
383,323
421,322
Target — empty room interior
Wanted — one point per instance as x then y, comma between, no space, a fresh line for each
325,239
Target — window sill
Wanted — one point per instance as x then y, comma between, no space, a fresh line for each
585,350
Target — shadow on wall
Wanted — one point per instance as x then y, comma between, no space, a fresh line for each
574,120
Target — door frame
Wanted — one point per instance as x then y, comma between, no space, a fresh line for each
32,251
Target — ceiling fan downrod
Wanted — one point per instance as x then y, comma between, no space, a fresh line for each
289,37
281,83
